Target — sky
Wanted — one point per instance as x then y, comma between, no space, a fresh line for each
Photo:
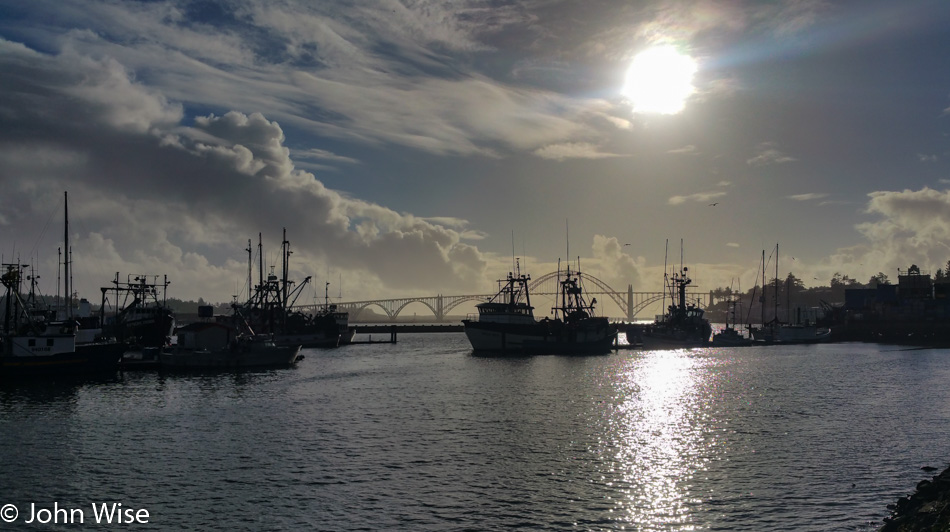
414,148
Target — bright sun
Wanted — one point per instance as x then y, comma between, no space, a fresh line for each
659,80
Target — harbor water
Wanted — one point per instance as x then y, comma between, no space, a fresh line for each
422,435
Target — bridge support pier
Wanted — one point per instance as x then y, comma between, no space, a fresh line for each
630,302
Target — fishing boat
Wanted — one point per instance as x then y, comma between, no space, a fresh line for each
33,345
729,336
141,319
36,342
683,325
211,345
505,324
270,309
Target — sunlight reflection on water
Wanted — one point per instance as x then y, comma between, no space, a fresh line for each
662,437
421,435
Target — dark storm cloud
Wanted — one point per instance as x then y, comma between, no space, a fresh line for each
147,187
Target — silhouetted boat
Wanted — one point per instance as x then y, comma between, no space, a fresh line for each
778,332
682,326
210,345
36,343
506,323
270,310
142,319
729,336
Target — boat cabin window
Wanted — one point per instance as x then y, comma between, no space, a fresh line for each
49,342
31,342
505,310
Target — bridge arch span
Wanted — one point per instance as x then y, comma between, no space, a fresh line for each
630,303
540,284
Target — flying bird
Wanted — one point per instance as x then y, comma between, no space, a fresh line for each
714,204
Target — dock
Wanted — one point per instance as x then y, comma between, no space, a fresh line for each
395,329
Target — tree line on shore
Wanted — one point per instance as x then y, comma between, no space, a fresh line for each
790,293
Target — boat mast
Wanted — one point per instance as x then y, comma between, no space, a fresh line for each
776,283
524,283
285,259
9,278
248,270
763,289
683,280
67,278
59,260
260,260
666,282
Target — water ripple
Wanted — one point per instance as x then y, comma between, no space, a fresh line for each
424,436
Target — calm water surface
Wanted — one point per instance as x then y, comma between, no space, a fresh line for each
422,435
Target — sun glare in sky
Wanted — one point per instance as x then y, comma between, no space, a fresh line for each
659,80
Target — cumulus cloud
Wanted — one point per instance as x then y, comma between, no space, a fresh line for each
150,193
615,265
912,227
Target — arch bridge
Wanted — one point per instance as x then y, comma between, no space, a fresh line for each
630,302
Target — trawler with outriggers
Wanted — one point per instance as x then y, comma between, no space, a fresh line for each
38,342
34,343
269,309
683,325
506,324
142,318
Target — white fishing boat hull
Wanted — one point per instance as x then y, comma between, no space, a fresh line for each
539,338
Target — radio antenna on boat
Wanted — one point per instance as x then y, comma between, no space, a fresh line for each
567,238
512,250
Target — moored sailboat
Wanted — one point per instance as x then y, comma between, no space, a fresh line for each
776,331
